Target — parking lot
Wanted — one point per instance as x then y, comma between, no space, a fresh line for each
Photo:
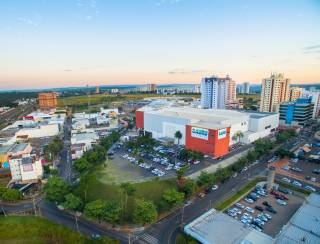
300,173
264,211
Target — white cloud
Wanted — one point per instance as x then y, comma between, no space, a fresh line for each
28,21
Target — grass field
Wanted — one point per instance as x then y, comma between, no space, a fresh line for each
91,188
105,99
35,230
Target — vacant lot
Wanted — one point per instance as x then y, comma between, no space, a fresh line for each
120,170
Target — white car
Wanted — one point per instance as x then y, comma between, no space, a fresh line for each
281,202
248,200
296,183
286,180
310,188
168,167
239,205
215,187
249,210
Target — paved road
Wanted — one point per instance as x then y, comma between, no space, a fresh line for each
165,230
65,164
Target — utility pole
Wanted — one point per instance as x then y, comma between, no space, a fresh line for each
77,226
34,206
182,215
4,212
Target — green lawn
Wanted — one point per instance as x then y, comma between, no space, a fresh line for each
35,230
92,189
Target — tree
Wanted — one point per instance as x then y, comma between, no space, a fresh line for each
112,211
178,136
145,212
237,136
282,153
55,189
171,197
128,190
52,150
189,188
95,209
72,202
205,179
81,165
181,172
252,155
10,195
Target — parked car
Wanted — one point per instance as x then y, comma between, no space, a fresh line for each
267,215
271,210
265,203
296,183
310,188
286,180
239,205
249,210
201,195
259,208
281,202
248,200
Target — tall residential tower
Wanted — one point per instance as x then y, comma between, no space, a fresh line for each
275,90
217,92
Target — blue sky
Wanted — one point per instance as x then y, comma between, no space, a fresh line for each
76,42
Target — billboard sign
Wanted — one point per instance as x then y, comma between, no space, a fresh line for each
222,133
199,133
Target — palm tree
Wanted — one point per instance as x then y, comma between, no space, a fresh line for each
128,189
178,136
237,136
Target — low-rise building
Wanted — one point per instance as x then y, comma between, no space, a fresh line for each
88,138
49,130
25,169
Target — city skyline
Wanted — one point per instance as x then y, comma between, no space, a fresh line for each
79,42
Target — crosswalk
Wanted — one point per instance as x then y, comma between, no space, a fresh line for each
146,238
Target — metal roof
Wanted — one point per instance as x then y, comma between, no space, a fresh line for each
304,226
215,227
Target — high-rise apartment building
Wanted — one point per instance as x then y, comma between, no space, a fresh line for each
246,87
230,92
217,92
47,100
295,93
275,90
213,90
151,87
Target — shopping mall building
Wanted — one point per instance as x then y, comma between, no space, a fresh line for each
210,131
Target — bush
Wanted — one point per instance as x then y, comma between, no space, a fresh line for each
10,195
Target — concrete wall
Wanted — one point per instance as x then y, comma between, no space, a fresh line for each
259,124
163,126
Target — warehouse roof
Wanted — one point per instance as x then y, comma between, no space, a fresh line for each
304,226
210,118
216,227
